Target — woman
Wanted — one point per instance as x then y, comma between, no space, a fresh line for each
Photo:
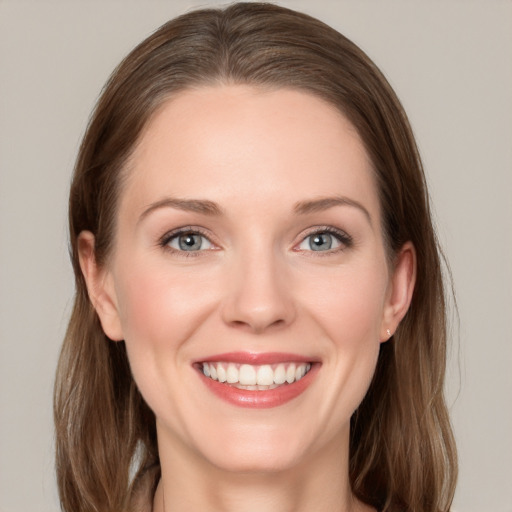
259,319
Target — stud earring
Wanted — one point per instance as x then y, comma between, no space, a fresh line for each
388,332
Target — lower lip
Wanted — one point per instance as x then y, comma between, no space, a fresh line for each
260,399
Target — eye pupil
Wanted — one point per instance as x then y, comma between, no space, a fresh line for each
321,241
190,242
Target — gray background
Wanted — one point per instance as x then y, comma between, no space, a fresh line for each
450,62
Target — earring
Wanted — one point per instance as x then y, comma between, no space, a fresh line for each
388,332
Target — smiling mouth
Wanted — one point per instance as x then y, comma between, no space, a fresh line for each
255,377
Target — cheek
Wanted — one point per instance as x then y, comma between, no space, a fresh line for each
349,308
349,304
158,307
160,311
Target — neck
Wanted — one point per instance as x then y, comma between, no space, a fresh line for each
321,483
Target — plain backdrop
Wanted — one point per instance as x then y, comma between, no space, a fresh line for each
451,64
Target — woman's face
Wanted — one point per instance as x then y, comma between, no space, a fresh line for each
249,248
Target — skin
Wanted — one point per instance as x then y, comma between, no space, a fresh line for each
255,286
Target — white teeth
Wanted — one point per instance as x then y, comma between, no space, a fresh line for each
232,374
221,373
299,372
255,388
247,375
265,375
280,374
259,378
290,373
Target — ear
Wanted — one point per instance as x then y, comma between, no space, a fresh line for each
400,290
100,287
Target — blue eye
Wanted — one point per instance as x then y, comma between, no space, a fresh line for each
189,241
322,241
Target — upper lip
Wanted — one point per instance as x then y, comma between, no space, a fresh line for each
254,358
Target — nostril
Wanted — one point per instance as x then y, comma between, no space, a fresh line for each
258,300
259,325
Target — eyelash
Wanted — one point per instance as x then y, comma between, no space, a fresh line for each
187,230
343,238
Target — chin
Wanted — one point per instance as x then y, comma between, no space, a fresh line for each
257,450
254,460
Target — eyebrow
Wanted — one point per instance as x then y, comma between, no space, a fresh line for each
324,203
210,208
204,207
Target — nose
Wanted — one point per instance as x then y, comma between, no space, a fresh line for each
259,294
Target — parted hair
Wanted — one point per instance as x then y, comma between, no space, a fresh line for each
402,451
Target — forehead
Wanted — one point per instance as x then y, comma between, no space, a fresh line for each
235,141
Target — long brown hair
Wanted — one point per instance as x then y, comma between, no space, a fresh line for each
402,452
